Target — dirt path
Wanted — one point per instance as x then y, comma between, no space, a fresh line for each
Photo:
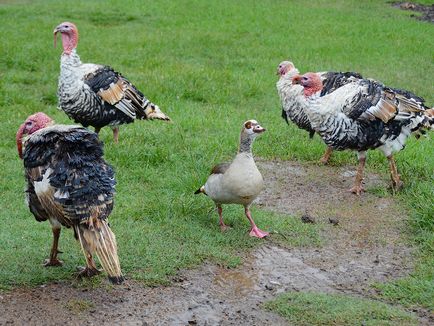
364,247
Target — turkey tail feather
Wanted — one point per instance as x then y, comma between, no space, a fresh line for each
101,240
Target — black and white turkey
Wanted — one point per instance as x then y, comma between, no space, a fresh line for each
96,95
365,115
292,97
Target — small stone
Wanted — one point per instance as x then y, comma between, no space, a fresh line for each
269,286
307,219
334,220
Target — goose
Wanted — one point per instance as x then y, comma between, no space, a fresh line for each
238,182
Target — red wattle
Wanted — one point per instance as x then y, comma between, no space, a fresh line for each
19,139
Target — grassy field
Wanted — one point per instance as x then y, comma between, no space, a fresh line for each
209,65
327,309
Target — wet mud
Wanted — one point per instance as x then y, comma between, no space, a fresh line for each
363,245
426,12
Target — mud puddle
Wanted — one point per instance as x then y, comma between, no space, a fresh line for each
363,246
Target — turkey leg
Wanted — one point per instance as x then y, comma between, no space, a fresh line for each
358,187
53,261
397,184
116,134
326,156
90,269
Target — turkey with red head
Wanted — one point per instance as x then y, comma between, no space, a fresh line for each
96,95
70,184
293,101
365,115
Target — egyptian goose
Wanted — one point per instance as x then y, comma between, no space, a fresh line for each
238,182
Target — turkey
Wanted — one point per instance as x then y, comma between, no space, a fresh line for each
365,115
70,184
292,98
238,182
96,95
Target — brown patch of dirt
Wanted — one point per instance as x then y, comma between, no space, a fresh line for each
365,246
427,11
362,246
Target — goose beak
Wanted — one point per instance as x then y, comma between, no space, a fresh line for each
259,130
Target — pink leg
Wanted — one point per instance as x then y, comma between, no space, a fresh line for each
223,226
255,231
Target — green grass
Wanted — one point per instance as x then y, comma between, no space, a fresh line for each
311,308
210,65
78,306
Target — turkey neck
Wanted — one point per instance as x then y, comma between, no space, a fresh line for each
70,79
321,117
70,61
317,112
284,84
330,123
246,143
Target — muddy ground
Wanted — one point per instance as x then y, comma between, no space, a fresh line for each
365,246
426,12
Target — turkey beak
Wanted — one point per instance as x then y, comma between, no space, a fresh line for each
55,36
56,30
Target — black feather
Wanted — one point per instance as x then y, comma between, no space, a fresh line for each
75,157
334,80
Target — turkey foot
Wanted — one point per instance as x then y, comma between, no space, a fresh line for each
87,272
52,262
224,227
397,185
256,232
357,189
